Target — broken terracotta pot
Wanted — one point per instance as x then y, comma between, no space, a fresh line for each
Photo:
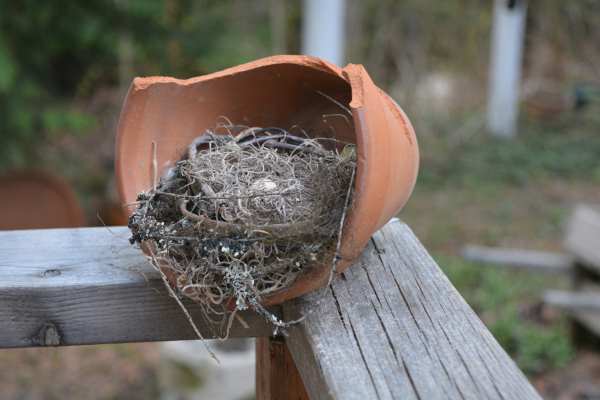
278,91
35,200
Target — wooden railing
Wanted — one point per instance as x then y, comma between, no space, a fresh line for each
391,327
579,262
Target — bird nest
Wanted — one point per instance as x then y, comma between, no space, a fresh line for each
243,214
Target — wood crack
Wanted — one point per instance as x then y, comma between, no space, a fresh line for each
430,344
338,307
362,356
387,334
411,380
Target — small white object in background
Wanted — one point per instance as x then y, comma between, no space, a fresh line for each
188,372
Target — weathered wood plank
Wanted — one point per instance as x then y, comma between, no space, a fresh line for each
583,241
583,236
574,301
85,286
390,327
535,261
582,304
393,327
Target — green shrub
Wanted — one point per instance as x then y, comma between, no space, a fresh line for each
496,295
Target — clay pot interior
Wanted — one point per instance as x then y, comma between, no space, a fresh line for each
280,91
283,95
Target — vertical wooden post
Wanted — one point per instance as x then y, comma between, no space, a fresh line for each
323,29
508,31
277,17
277,377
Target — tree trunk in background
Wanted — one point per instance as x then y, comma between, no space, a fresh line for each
174,53
278,17
125,52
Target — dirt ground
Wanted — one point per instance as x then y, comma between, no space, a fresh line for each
124,371
579,380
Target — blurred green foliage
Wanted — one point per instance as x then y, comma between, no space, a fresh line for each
566,150
54,52
46,50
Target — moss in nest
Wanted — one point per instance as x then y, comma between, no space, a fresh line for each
243,214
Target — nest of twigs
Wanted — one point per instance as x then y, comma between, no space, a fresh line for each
243,214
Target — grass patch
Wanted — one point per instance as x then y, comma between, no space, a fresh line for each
501,298
537,153
474,188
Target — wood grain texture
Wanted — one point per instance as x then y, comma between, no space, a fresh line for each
86,286
393,327
277,377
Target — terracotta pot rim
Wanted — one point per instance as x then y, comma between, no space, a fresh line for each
141,83
382,132
265,62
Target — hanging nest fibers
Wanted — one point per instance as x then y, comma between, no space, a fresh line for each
243,214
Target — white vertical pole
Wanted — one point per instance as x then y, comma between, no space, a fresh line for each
508,31
323,29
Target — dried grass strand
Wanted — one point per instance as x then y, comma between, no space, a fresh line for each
243,215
